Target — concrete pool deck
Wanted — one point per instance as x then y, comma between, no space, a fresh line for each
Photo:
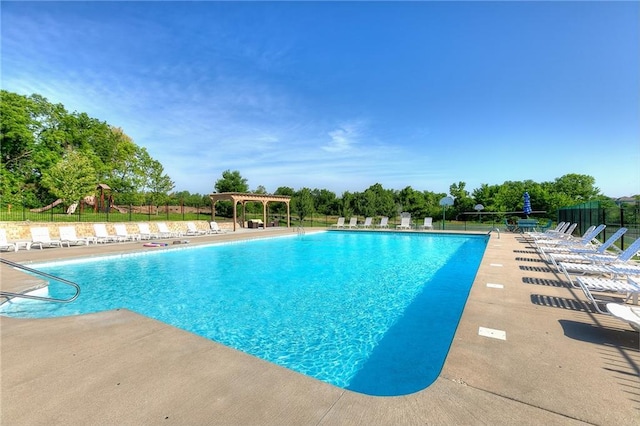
559,363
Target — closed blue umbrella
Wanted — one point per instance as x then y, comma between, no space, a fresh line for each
527,204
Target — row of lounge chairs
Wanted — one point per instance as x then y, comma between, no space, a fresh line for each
41,238
608,277
405,223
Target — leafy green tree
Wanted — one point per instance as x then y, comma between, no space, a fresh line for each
231,181
380,201
302,203
411,201
325,201
155,182
35,135
578,188
71,179
462,202
348,204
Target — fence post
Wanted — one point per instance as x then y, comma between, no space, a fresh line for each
622,225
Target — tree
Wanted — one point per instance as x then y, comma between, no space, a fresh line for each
156,184
578,188
461,200
381,201
231,181
302,203
72,178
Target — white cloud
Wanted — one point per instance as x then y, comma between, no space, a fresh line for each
344,138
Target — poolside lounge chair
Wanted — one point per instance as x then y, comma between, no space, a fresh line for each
384,222
340,223
600,256
353,222
612,270
40,237
68,235
590,285
165,232
192,230
627,313
405,223
121,231
215,228
367,223
428,223
587,238
145,232
103,236
551,233
588,243
6,245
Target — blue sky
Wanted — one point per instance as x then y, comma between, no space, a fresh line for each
343,95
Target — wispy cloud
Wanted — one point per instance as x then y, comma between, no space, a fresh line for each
344,138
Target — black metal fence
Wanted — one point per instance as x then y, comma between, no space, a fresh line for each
88,213
588,214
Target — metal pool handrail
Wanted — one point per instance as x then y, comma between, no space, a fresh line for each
44,274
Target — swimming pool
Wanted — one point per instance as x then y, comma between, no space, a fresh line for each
373,312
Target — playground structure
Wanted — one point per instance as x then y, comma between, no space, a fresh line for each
99,203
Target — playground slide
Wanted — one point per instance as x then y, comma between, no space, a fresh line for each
90,201
45,208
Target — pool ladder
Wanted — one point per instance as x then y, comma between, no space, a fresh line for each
44,274
495,229
300,230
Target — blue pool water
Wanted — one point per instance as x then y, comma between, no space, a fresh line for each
373,312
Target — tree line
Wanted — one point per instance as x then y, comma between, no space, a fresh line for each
49,153
375,201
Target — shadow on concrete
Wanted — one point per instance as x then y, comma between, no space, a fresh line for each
529,259
544,269
620,352
526,251
561,302
601,335
545,282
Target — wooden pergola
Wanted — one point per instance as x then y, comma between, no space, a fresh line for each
240,197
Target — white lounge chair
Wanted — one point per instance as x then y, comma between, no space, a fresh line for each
192,230
103,236
556,250
405,223
6,245
215,228
590,285
627,313
616,270
68,235
548,232
121,231
588,238
563,230
165,232
367,223
384,222
428,223
145,232
353,222
340,223
600,256
40,237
